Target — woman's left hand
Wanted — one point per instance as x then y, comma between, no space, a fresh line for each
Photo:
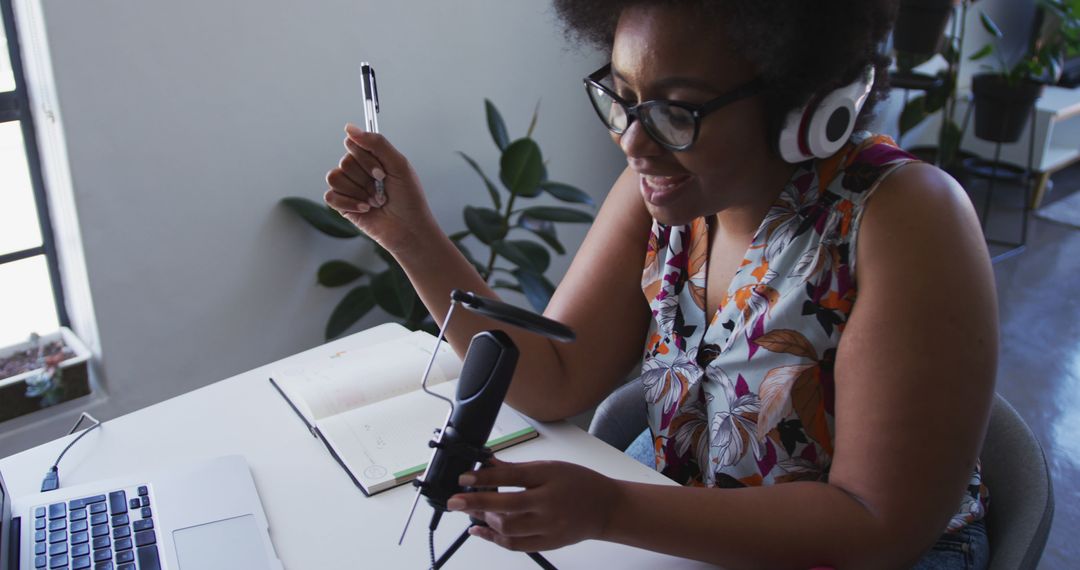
562,504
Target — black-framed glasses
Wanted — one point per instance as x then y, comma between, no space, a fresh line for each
674,125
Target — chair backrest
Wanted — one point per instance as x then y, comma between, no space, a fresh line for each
621,416
1013,468
1021,494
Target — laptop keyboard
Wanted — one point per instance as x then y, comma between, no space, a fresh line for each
113,531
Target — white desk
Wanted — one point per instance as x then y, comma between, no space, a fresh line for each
318,519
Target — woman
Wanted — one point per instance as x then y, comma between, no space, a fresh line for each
807,429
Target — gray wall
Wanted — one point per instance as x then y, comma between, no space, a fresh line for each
186,122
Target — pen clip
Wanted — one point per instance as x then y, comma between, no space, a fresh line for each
374,88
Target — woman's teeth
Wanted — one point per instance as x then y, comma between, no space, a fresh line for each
663,182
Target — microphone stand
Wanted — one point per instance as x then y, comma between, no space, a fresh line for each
449,440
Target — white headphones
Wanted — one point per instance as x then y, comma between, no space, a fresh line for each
823,126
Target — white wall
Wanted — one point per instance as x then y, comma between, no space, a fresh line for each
186,123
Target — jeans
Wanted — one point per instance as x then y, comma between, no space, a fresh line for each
968,549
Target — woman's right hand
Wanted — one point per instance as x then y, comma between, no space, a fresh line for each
402,215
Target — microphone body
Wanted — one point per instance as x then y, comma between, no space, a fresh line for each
485,378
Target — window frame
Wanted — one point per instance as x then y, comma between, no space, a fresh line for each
15,106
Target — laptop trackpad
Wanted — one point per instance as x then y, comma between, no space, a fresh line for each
221,545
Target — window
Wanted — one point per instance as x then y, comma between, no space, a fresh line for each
30,295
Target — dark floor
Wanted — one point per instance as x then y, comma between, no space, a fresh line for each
1039,366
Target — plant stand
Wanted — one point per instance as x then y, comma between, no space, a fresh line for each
995,170
1057,138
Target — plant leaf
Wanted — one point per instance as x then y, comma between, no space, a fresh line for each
989,25
323,218
458,236
557,214
486,224
913,114
337,273
985,51
950,142
540,258
545,230
487,181
521,168
504,284
950,50
938,96
418,317
393,292
512,253
532,123
352,308
538,290
566,193
496,126
384,255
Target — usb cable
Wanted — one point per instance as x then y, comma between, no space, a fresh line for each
51,482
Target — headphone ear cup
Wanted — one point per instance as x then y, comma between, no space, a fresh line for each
823,127
791,136
831,124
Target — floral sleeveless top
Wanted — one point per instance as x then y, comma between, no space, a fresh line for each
747,398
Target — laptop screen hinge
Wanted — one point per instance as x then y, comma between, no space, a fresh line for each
15,543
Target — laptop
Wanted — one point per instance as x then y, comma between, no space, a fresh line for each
200,516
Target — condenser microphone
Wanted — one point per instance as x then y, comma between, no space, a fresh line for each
459,447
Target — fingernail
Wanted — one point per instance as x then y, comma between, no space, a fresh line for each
455,504
362,208
374,202
353,129
377,173
466,480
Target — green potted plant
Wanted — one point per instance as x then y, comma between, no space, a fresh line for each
938,91
511,263
1005,93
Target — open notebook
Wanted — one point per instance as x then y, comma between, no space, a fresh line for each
367,406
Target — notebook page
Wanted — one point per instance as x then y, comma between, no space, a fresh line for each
385,444
369,375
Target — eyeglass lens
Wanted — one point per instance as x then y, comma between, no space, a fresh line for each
668,124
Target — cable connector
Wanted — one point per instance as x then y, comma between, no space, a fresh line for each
51,482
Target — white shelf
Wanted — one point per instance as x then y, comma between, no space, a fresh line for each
1058,157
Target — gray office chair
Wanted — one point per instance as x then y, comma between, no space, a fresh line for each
1021,494
621,417
1013,468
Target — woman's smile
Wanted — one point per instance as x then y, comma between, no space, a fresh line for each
660,190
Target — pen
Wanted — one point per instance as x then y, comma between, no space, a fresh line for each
371,114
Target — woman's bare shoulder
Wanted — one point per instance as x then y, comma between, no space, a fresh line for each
921,210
